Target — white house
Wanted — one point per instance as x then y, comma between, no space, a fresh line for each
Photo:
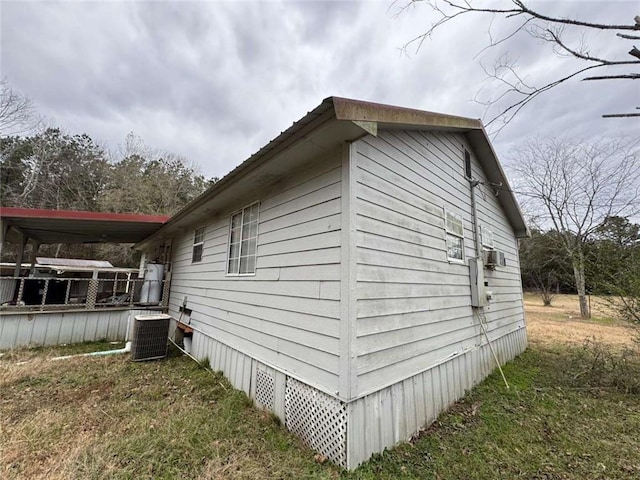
344,275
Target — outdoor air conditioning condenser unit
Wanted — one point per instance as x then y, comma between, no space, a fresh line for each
150,337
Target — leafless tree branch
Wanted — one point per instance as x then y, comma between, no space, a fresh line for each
631,76
519,8
620,115
628,37
538,25
510,112
578,185
17,112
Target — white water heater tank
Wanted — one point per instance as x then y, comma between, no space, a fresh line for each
152,286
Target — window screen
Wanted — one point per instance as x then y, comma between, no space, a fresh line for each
198,245
455,236
243,241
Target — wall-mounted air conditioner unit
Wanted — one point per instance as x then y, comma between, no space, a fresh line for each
494,258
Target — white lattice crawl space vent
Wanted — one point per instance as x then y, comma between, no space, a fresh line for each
318,419
265,389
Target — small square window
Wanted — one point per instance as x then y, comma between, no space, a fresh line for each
198,245
243,241
454,230
487,238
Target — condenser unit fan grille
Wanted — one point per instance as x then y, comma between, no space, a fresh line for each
150,337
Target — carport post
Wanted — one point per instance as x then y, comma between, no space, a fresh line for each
21,244
143,264
36,247
4,230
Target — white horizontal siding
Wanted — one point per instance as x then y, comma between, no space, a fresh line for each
287,315
413,305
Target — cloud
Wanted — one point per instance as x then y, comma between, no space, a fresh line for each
215,81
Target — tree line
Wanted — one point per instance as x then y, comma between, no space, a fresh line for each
612,265
55,170
573,187
47,168
59,171
581,196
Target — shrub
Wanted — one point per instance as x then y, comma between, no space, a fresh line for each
598,365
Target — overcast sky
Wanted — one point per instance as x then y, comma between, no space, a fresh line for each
215,81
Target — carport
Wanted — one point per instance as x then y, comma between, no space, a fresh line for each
39,226
70,308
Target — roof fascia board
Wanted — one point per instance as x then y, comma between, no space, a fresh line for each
134,218
370,117
354,110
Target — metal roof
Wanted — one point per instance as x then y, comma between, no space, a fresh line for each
10,266
334,121
70,226
73,262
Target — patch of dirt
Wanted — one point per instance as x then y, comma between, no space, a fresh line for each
561,323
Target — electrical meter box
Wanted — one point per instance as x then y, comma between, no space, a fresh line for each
478,290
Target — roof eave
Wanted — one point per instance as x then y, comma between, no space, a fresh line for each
358,113
479,140
389,116
307,124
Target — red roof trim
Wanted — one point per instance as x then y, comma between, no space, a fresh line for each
81,215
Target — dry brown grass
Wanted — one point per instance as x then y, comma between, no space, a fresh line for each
110,418
561,322
45,424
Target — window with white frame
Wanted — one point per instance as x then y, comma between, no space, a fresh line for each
243,241
487,238
198,245
455,236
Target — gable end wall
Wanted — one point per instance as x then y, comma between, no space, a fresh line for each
414,305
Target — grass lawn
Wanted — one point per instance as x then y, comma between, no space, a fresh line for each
571,413
546,426
110,418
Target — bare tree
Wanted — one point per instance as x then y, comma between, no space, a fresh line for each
52,170
146,180
17,112
544,265
565,35
576,186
